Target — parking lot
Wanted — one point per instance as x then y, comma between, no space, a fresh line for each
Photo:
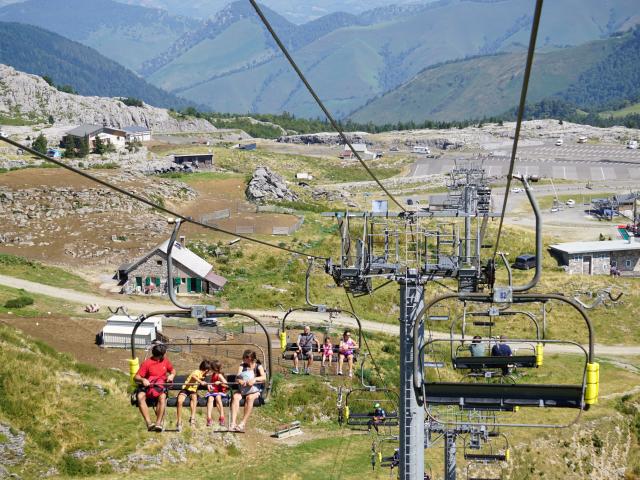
569,162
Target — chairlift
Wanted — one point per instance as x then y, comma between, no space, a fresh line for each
289,347
359,406
198,312
482,395
487,451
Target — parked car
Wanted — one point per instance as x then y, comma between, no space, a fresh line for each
516,190
571,203
525,261
633,144
559,142
4,134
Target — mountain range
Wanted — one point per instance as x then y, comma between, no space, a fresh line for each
354,59
35,50
127,34
351,59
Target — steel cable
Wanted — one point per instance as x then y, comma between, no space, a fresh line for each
152,204
523,100
315,96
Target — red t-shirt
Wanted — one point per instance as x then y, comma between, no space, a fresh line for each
152,369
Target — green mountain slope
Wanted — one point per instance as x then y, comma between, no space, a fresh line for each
483,86
125,33
615,78
34,50
371,53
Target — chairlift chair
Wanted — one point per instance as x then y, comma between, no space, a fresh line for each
486,453
357,410
482,395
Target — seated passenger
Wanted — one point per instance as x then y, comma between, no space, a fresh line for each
217,391
477,348
377,417
190,389
305,350
501,349
250,373
327,351
151,378
346,350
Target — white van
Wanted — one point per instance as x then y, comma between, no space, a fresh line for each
582,139
422,150
633,144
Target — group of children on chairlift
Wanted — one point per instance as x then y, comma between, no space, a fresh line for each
304,351
157,372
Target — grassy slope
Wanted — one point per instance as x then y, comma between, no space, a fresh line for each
482,86
631,109
82,433
36,272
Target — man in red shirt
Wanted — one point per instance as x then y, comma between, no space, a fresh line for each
151,378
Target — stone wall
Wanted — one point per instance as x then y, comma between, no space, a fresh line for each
600,264
627,261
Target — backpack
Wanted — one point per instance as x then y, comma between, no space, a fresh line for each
156,389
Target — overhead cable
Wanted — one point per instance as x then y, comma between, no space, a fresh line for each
150,203
523,100
315,96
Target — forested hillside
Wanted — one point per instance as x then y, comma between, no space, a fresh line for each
588,78
125,33
611,82
34,50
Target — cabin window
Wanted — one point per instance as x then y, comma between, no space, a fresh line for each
627,263
159,262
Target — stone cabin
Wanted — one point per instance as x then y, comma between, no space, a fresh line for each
597,258
113,136
148,274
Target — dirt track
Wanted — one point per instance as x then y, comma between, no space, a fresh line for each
270,316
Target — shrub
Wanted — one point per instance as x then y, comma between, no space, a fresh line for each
19,302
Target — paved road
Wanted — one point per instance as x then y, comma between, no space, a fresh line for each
270,315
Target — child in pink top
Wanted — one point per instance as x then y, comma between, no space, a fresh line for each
327,351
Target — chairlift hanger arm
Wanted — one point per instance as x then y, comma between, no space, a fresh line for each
538,218
170,286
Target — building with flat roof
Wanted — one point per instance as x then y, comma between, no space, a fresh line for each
598,258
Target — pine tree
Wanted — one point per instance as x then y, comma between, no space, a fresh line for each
83,147
98,146
40,144
69,145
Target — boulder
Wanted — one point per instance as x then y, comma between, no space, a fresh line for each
267,185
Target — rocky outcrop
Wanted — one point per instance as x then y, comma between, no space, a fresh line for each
324,138
267,185
28,206
26,95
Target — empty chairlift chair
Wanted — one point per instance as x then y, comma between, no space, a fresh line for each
494,395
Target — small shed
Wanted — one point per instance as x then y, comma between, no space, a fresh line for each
200,160
117,332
